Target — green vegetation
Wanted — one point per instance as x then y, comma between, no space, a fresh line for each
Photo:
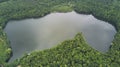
70,53
3,0
74,53
5,50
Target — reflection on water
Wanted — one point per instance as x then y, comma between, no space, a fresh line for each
32,34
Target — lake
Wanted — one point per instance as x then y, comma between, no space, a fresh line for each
42,33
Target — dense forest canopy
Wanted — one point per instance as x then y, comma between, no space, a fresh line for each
3,0
62,55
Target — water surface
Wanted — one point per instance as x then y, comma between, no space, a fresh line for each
42,33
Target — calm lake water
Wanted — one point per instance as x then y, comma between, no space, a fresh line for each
42,33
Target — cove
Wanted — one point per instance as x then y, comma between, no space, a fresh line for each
38,34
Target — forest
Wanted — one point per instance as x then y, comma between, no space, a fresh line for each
70,53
